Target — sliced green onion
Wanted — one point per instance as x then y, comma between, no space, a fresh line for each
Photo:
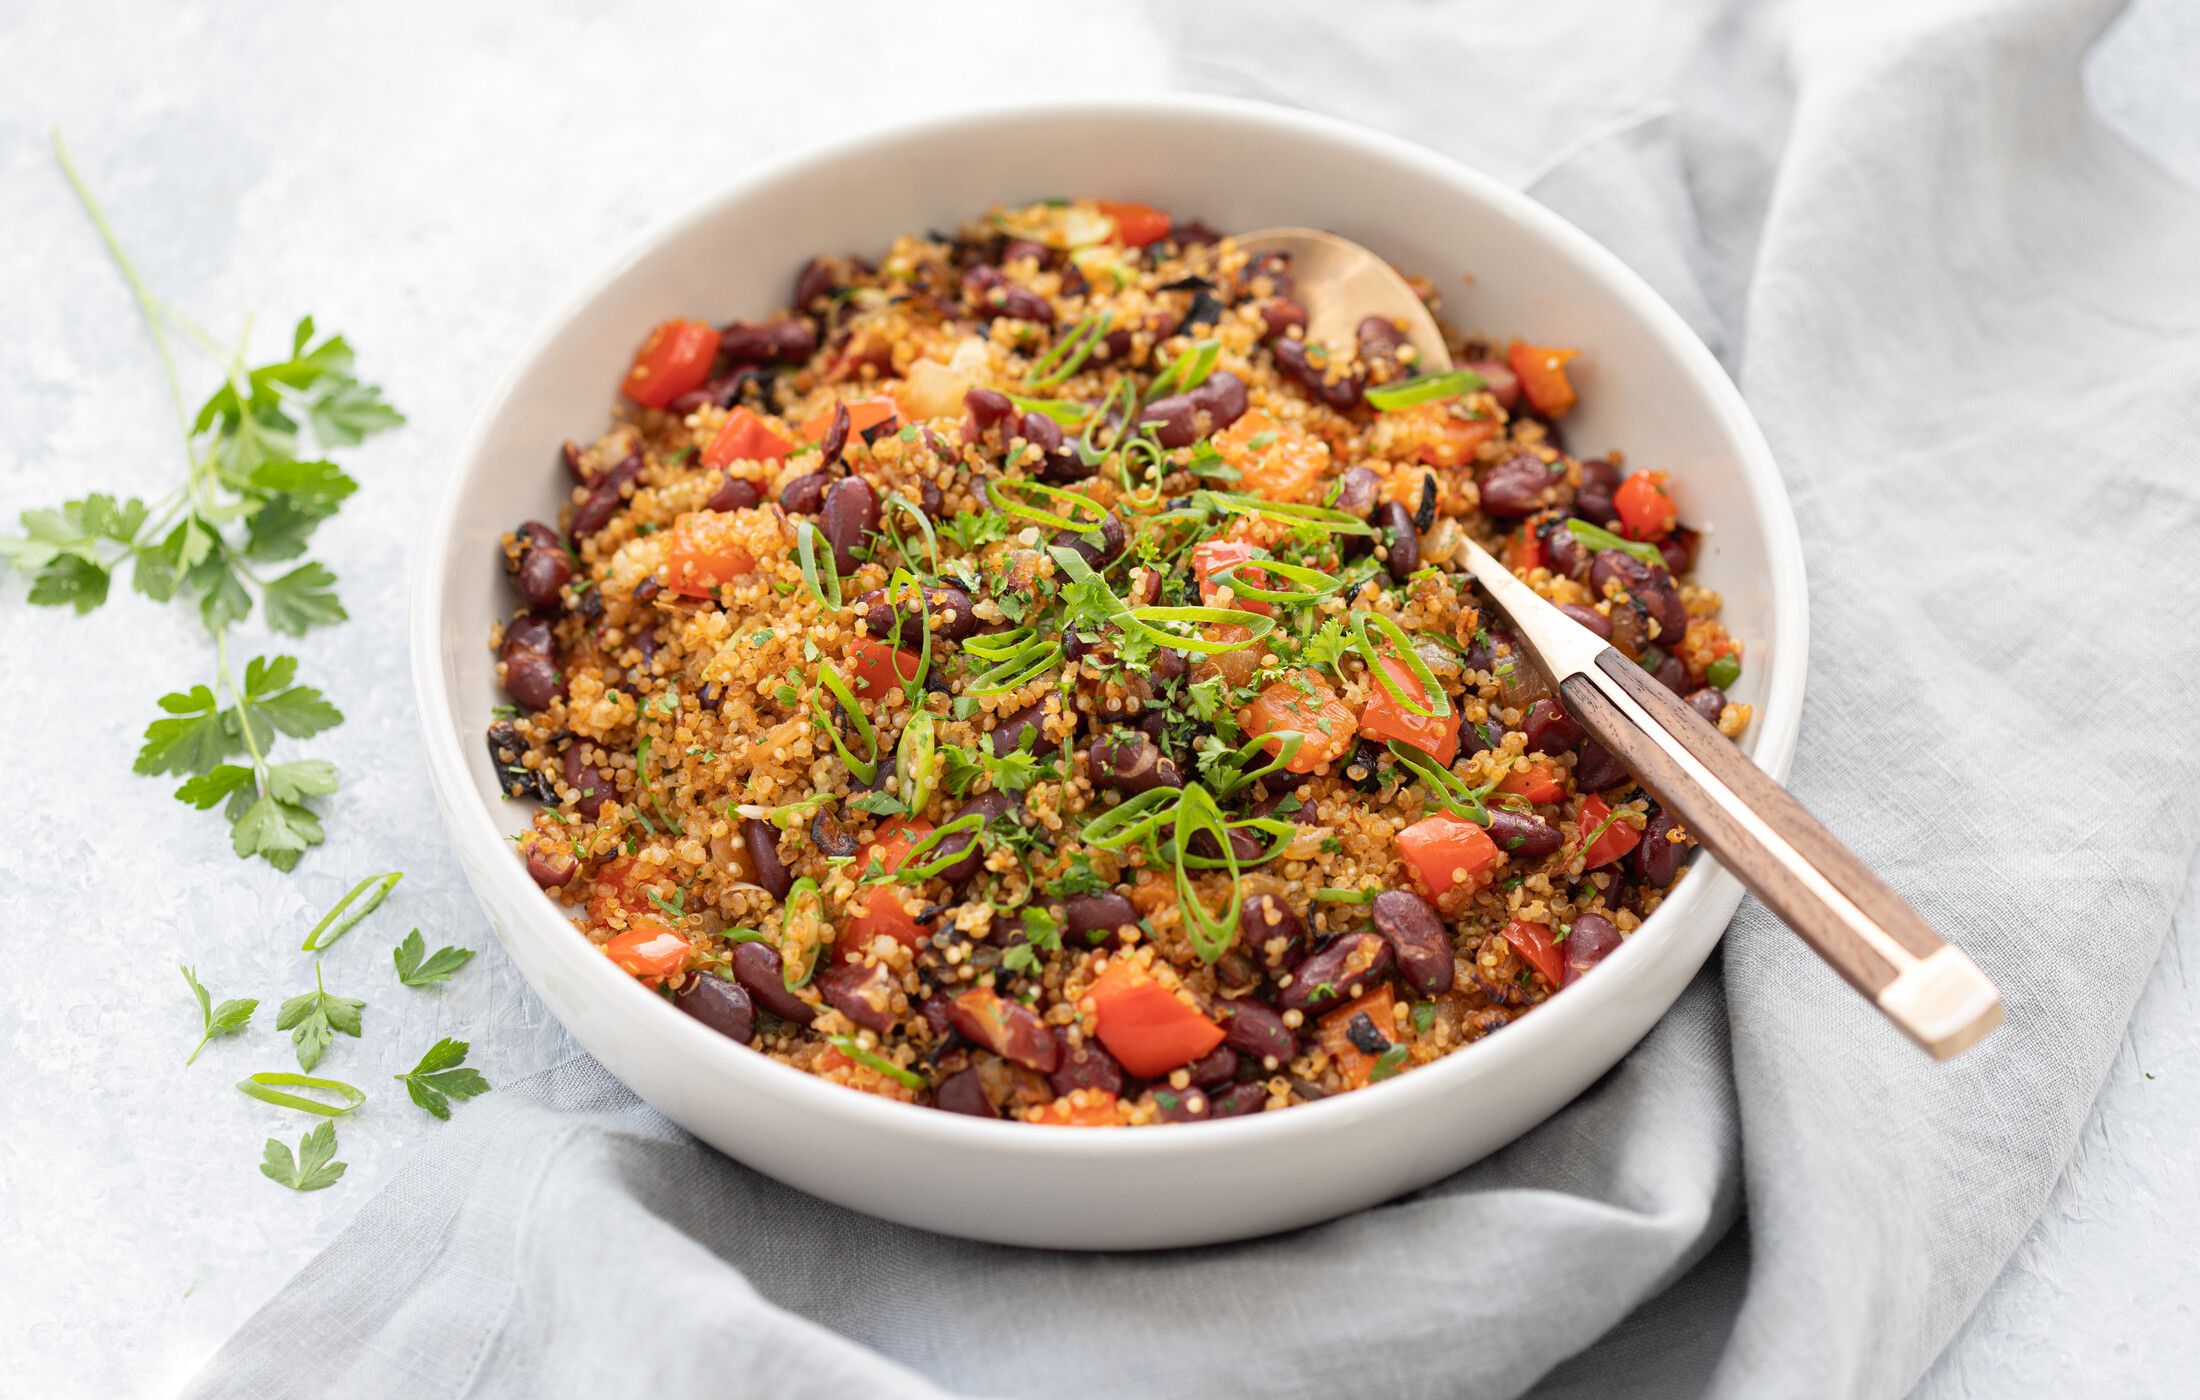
1426,389
917,761
805,891
1448,788
1336,522
1007,490
913,872
1346,896
1439,705
1157,623
999,646
267,1088
1232,776
1069,353
1723,672
1318,585
335,923
827,592
1388,1063
924,528
1186,372
1597,537
641,772
865,769
1135,819
1014,672
846,1045
1067,412
746,935
1210,933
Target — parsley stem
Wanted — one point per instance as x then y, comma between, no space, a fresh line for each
147,306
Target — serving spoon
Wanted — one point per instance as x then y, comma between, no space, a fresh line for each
1850,917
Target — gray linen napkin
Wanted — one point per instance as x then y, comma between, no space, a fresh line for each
1966,316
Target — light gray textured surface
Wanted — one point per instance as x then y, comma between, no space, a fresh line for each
429,183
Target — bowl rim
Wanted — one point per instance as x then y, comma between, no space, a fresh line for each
469,822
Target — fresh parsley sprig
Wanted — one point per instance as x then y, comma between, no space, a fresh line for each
314,1017
228,1018
416,967
314,1167
438,1078
250,499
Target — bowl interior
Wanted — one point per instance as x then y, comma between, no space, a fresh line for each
1504,267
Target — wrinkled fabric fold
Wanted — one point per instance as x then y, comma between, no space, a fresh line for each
1963,312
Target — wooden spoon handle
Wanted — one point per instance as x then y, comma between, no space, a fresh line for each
1848,915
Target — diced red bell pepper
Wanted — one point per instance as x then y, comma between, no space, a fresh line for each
1533,942
1449,853
1354,1063
1618,839
1385,718
1645,511
1324,722
703,554
880,666
1084,1108
744,438
650,952
674,360
1537,782
1542,372
884,910
1007,1028
1145,1025
1524,551
1135,224
1212,557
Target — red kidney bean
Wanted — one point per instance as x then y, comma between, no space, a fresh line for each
1359,490
1550,729
1175,1106
1520,485
1018,249
1417,940
1590,618
1562,553
991,807
1237,1101
551,869
849,520
835,440
950,610
1302,814
1671,673
1378,336
1273,265
1404,556
1656,858
1280,317
1674,551
761,840
1339,971
1095,918
1648,584
863,994
993,295
1130,763
827,834
1174,419
570,454
805,495
533,534
1341,393
1501,380
532,679
540,576
758,968
724,1006
1223,397
1095,552
964,1092
525,634
761,342
1257,1031
1596,769
1215,1068
1708,701
988,408
1008,735
733,494
1270,932
593,784
605,497
1591,939
1085,1065
723,390
1593,498
1522,835
813,283
1013,1031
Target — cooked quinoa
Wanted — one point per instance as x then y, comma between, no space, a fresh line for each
894,711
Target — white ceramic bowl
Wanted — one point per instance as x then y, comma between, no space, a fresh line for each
1504,264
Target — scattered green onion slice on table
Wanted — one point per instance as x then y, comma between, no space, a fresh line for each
336,923
268,1087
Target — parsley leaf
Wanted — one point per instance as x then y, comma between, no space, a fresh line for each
314,1017
302,599
438,1078
418,968
314,1167
228,1018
